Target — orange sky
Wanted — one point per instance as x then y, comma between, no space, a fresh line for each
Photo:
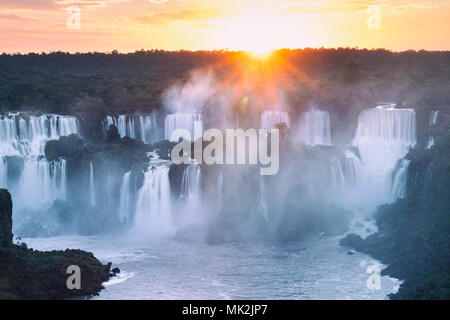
259,25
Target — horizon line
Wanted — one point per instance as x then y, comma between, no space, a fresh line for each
224,50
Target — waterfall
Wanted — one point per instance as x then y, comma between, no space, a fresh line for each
388,126
190,186
91,185
269,119
351,168
220,191
141,127
3,173
148,128
433,120
433,117
126,198
153,208
383,136
337,175
399,179
62,178
41,183
430,142
315,128
181,121
29,137
263,199
109,190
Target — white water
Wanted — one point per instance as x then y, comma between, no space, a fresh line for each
41,183
91,185
434,117
315,268
338,180
190,187
3,173
433,120
315,128
351,168
29,136
181,121
383,137
109,190
153,213
269,119
263,199
141,127
219,190
126,198
400,178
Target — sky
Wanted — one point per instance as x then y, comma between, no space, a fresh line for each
255,25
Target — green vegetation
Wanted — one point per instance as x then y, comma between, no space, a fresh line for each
29,274
413,235
346,80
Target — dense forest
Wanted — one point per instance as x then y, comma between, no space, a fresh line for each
342,79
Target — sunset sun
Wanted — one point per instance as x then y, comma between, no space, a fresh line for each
260,33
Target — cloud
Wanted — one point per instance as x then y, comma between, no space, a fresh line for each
351,6
14,17
89,3
27,4
55,4
199,17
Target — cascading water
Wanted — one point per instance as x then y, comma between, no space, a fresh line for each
91,185
141,127
269,119
148,128
337,175
315,128
181,121
263,199
153,213
351,168
220,191
109,190
29,137
126,198
3,173
42,182
384,135
190,187
399,179
433,119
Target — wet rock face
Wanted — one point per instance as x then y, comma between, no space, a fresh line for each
6,235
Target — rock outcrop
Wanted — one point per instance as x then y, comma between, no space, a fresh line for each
6,235
30,274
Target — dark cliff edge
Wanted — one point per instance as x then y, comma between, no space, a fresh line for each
30,274
413,235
